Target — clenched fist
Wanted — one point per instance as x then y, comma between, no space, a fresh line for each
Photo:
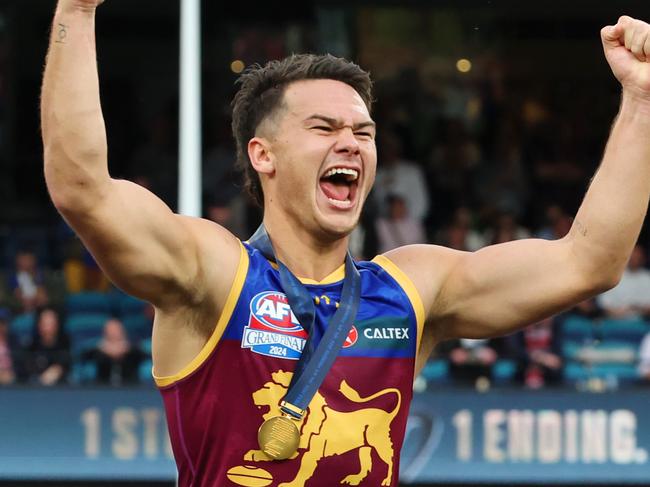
627,49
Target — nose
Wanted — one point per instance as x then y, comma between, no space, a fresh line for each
346,142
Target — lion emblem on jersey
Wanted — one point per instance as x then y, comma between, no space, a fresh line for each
325,432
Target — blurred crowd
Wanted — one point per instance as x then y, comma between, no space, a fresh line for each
464,160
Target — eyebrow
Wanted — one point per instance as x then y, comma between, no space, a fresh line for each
337,123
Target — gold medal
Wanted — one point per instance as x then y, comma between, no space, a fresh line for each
279,437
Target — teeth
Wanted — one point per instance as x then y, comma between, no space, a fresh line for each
339,203
339,170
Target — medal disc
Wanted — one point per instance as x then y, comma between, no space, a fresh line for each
279,437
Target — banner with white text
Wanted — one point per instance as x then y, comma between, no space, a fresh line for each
452,436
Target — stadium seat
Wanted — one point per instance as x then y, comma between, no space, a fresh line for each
571,349
577,328
88,302
80,345
145,346
503,371
607,351
124,305
575,373
83,373
631,330
144,372
22,328
436,370
86,325
137,326
620,371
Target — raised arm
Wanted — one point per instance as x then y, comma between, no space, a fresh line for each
503,287
142,246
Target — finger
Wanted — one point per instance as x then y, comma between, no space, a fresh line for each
630,32
638,43
611,34
624,20
646,46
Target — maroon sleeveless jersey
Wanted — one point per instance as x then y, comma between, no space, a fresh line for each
353,430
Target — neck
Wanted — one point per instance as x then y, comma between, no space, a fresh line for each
303,252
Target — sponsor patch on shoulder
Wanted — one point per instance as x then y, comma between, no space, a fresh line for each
273,329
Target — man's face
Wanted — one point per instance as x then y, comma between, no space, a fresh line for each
323,146
114,331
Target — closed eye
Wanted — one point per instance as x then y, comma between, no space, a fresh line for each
324,128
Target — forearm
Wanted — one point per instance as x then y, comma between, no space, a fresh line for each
74,137
609,220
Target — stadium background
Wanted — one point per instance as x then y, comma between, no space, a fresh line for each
538,85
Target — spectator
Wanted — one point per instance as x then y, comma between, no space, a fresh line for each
117,360
154,163
80,271
7,373
557,223
537,350
471,360
397,176
47,360
631,297
224,200
398,228
500,183
506,229
451,168
27,282
460,233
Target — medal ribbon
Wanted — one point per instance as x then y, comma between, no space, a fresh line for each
315,362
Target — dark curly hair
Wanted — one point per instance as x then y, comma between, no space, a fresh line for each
261,93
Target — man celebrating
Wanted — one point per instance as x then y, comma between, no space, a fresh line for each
273,379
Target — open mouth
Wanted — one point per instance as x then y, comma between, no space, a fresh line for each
339,185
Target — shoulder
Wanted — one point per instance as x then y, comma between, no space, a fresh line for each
217,254
427,267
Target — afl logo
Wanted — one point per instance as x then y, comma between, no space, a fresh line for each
271,308
353,336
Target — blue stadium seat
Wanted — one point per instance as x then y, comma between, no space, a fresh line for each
436,370
145,346
124,305
144,372
631,330
22,328
623,372
86,325
571,348
575,372
577,328
137,326
88,302
503,371
83,373
80,345
606,351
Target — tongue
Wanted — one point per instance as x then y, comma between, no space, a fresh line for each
336,191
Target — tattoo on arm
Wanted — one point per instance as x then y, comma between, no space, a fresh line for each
61,33
582,230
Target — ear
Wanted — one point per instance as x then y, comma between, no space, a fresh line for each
260,155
